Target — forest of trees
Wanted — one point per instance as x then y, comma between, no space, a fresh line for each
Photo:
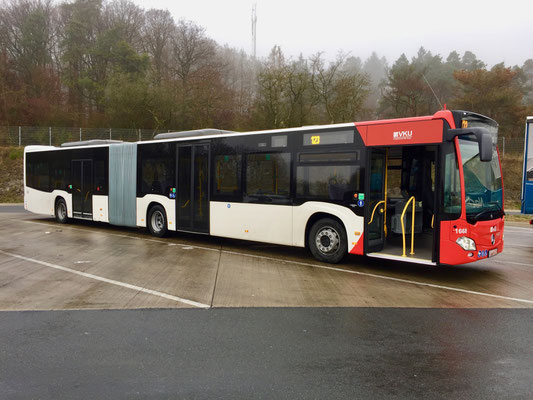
94,63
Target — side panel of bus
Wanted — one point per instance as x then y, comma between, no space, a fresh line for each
49,176
258,222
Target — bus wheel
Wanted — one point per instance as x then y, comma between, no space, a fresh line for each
61,211
327,241
157,221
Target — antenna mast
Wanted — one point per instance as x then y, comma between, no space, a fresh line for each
432,91
254,29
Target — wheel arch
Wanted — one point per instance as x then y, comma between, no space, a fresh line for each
57,198
151,205
162,231
316,217
147,202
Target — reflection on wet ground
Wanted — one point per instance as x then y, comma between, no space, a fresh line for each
218,272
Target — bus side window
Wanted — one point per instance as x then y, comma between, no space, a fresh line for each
29,170
268,178
227,175
156,176
157,169
42,176
327,182
60,170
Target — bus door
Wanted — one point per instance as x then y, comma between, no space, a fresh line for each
82,189
192,200
375,208
419,181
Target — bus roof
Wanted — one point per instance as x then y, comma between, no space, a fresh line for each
212,133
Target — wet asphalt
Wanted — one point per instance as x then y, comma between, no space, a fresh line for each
283,352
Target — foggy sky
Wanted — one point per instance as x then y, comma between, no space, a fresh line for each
495,33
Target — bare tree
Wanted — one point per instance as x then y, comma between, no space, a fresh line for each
192,50
27,34
339,88
128,18
193,54
300,96
239,76
273,87
157,33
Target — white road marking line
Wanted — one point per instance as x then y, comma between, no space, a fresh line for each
320,266
517,228
387,278
111,281
512,262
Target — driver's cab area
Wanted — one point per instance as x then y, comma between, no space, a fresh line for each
400,215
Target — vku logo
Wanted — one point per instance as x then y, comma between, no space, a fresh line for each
402,135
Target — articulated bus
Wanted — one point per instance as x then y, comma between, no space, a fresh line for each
425,189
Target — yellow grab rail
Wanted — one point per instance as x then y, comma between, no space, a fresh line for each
374,210
412,226
386,188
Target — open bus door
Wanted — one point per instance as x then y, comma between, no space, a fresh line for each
400,218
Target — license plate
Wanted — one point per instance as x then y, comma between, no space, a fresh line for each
493,252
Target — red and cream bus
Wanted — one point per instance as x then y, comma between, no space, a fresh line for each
425,189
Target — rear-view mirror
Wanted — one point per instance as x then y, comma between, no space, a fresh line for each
482,135
485,147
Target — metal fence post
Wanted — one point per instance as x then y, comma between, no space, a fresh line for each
139,135
109,133
20,136
49,135
80,134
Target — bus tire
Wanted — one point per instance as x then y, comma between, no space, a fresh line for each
327,241
61,211
157,221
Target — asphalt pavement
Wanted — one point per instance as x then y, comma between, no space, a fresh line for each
123,317
283,353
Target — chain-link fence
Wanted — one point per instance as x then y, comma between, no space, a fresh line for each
511,147
54,136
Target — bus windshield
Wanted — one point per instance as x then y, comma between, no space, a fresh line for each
483,182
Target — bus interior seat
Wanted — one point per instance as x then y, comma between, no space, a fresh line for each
396,225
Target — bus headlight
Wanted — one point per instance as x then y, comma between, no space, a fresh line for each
466,243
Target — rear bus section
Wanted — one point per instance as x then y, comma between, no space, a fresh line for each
70,182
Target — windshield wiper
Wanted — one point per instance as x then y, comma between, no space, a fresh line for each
497,205
491,213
